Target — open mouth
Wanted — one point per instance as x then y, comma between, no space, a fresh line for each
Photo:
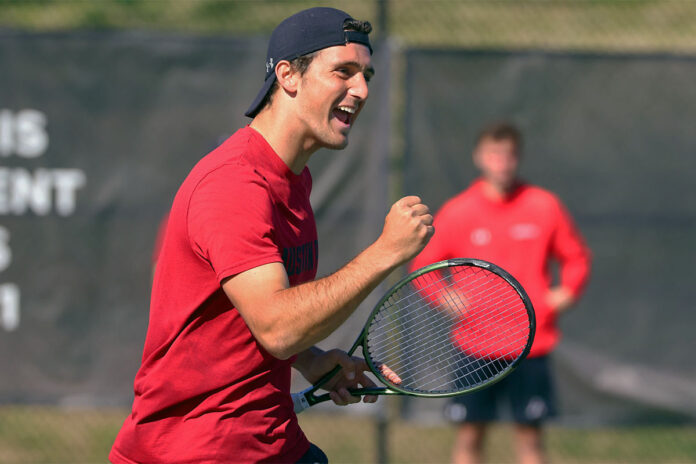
344,114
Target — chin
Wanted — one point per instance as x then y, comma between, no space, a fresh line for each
336,144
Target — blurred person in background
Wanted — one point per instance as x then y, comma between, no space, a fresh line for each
235,303
522,228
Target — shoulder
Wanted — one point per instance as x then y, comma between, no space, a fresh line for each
540,196
461,201
230,166
238,150
546,202
225,182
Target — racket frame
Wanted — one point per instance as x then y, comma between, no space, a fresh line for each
306,398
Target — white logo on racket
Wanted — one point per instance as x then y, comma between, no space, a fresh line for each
480,236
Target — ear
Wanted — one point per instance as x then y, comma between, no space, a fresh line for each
287,78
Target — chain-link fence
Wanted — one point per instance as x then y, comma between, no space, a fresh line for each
81,433
617,25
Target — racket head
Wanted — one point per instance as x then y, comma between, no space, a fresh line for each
449,328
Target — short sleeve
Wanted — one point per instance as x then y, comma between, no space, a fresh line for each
230,220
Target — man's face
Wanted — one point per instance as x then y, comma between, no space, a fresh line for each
332,92
498,162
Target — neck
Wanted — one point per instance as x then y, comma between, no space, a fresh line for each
284,135
496,191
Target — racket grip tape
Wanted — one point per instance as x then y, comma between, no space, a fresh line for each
306,398
299,402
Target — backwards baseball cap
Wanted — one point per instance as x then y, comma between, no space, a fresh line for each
302,33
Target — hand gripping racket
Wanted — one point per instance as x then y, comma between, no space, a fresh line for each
453,327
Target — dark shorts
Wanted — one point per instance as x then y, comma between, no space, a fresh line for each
526,396
314,455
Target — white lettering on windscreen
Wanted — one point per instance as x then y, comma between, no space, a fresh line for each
28,190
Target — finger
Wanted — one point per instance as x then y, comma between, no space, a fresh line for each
336,398
360,364
346,397
342,397
427,222
367,382
420,209
409,201
347,365
389,374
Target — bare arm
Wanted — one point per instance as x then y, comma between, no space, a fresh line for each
288,320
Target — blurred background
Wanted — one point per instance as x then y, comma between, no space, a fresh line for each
106,104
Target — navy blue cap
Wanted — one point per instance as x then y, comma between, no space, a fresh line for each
303,33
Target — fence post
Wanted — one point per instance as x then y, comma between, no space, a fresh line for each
382,18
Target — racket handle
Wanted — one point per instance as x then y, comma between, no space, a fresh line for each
299,402
306,398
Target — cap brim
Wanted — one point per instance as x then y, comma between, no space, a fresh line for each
256,105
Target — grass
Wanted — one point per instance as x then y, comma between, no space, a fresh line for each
410,443
34,434
37,434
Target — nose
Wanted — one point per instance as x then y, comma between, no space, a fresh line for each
359,89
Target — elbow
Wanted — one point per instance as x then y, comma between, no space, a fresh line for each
277,345
280,336
281,353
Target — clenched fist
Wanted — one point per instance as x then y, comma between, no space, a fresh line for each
407,229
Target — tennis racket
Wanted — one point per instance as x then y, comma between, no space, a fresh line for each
453,327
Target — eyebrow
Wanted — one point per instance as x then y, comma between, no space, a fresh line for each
370,71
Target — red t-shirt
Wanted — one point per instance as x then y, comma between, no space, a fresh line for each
206,390
521,234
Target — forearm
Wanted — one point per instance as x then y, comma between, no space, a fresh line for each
302,316
288,320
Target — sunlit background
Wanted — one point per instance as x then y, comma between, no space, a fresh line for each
106,104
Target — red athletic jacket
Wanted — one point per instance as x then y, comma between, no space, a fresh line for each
521,233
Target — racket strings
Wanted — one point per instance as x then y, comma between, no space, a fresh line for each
408,309
515,350
442,364
418,303
423,320
503,297
446,364
449,331
493,300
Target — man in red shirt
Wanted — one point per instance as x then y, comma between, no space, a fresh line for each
234,301
521,228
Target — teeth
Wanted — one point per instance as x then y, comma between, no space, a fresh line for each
347,109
